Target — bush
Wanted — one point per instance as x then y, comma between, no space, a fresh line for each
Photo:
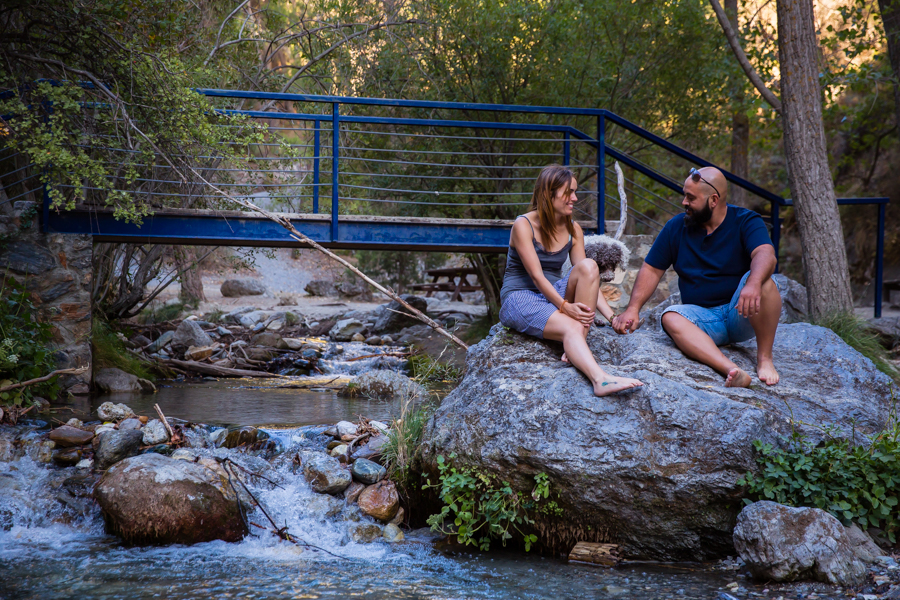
25,351
855,483
479,508
164,313
428,371
856,333
110,351
403,440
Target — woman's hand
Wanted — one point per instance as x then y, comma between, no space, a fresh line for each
580,312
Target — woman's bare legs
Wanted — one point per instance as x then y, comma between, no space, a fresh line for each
584,284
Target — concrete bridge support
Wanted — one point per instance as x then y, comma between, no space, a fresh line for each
56,270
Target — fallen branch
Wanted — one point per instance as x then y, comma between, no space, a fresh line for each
165,422
21,384
205,369
285,222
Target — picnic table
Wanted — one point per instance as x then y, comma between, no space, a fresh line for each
455,279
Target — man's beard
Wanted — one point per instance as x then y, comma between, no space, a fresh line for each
698,217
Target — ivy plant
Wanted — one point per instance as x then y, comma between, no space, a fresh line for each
479,507
855,483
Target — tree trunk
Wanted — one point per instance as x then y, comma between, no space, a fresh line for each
490,277
821,236
740,124
890,15
191,286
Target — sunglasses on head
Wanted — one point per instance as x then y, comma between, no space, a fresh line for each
696,177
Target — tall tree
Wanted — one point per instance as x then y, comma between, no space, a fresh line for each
812,188
740,124
890,16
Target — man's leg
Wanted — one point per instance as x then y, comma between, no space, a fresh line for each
697,345
764,325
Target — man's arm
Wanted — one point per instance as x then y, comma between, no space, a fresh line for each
647,281
762,265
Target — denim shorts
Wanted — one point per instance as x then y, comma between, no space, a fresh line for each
722,323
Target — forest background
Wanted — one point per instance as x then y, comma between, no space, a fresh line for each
665,66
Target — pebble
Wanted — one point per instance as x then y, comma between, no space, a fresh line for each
85,463
74,423
358,337
392,533
366,471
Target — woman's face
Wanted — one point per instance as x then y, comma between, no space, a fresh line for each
564,201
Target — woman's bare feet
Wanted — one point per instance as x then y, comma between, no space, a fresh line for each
564,358
765,369
615,384
737,378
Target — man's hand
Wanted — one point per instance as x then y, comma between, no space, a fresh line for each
627,322
749,301
580,312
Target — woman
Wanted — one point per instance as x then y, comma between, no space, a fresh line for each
535,298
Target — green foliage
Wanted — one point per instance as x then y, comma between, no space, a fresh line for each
109,351
403,442
429,372
478,507
216,315
25,351
857,333
478,330
856,484
161,314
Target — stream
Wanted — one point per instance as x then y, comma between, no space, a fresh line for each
50,551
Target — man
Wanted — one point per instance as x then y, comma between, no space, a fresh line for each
725,261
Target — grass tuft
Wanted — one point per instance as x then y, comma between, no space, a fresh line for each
162,314
429,372
857,334
110,351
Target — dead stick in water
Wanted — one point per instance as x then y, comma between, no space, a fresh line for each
53,374
162,418
394,354
284,222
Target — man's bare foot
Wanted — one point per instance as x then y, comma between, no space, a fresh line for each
564,358
615,384
737,378
765,369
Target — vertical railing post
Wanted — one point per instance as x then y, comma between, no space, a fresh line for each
335,143
879,262
601,174
566,151
317,150
776,230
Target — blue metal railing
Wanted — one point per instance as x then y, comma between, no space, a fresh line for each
351,170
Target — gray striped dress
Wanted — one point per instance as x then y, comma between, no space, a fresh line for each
523,307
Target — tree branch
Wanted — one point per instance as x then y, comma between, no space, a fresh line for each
53,374
735,44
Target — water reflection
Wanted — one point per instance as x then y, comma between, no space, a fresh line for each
241,402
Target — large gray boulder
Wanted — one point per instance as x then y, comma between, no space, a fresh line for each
111,380
386,385
781,543
153,499
345,329
653,469
190,333
391,320
234,288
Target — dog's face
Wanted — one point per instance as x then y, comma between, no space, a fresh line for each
607,257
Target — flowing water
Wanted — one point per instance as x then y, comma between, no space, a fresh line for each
50,551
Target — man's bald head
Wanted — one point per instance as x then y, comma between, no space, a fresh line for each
714,181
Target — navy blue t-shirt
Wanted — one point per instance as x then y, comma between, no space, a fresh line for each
709,267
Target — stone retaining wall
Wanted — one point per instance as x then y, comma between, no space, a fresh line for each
56,270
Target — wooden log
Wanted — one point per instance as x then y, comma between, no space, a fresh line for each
213,370
605,555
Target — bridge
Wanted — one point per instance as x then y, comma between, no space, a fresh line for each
407,175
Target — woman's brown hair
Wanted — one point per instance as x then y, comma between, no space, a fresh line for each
550,180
